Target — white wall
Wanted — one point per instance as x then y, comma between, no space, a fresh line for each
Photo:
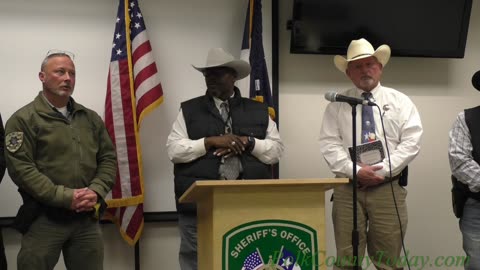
181,32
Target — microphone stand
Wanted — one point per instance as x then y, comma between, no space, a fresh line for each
355,237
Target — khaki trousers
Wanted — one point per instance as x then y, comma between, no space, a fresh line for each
377,223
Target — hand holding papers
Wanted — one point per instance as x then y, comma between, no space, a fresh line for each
369,153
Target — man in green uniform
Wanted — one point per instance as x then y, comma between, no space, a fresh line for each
61,158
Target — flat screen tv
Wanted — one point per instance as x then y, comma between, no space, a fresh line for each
416,28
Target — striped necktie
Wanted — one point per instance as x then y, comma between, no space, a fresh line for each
230,167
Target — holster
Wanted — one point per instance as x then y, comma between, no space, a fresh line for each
460,194
27,213
403,179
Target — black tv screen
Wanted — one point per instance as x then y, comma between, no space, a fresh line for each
418,28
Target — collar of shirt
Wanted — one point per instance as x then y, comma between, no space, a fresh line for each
374,91
65,110
218,101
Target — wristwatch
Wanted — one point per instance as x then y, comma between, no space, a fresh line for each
251,143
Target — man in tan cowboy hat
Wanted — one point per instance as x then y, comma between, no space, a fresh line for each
219,135
378,223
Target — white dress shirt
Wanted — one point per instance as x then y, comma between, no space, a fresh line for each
181,149
403,131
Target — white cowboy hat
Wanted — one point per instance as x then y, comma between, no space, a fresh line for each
217,57
359,49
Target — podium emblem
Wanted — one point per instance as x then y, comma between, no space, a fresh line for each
270,245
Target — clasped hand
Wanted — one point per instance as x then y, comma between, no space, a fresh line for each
367,177
227,145
84,199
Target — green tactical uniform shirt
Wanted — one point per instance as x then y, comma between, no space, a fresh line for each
49,155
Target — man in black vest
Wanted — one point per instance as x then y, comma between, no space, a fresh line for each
464,156
219,135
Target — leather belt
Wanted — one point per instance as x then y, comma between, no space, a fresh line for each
388,179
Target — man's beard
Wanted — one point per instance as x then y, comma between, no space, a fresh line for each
62,92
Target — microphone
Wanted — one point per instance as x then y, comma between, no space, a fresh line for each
334,97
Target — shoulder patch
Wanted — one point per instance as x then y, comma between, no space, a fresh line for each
13,141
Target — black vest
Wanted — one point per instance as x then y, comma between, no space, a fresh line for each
472,116
202,118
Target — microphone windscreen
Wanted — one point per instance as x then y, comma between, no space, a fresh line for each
476,80
330,96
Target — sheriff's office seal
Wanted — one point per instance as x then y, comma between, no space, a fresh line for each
14,141
270,245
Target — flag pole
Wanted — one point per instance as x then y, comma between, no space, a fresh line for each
137,255
275,72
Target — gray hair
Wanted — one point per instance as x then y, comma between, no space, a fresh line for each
51,54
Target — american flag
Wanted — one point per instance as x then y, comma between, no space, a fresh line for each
252,52
133,90
253,261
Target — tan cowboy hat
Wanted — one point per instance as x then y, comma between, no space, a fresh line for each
217,57
359,49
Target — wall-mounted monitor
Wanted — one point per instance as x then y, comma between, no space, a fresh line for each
417,28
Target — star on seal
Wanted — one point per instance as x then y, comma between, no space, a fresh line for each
14,141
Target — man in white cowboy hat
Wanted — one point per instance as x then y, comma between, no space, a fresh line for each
464,157
378,223
219,135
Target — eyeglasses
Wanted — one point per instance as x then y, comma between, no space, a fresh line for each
56,52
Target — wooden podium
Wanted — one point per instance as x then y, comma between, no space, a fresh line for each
227,207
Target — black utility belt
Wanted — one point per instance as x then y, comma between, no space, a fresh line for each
62,215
